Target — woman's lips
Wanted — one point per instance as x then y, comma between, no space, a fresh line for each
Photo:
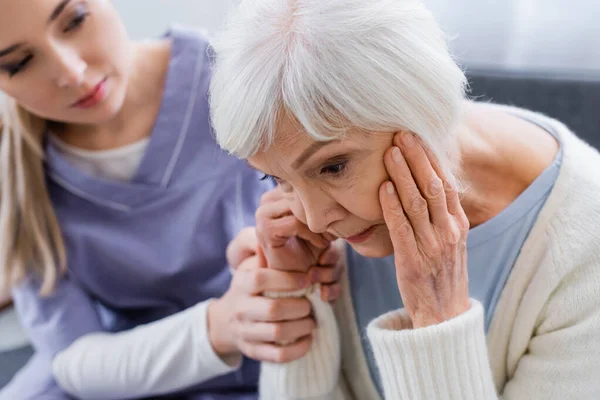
94,97
361,237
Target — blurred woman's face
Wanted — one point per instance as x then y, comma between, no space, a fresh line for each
333,186
64,60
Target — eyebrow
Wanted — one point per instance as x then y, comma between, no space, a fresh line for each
55,14
309,152
58,10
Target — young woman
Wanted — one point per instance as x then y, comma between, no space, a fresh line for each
357,110
116,210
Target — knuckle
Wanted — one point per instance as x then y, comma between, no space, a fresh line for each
260,212
435,188
244,332
250,351
281,355
238,315
432,247
450,189
256,279
274,309
267,197
417,205
277,332
453,236
402,229
463,224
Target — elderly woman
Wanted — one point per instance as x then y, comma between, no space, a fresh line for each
358,111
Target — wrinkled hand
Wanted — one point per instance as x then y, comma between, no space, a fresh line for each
287,244
428,228
243,321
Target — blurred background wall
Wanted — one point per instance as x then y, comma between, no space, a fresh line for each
511,34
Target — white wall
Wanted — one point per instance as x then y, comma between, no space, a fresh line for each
524,34
529,34
148,18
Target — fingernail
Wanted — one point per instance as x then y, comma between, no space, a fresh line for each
407,139
314,276
389,187
396,155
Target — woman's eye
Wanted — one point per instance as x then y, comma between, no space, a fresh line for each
271,178
80,17
334,169
18,67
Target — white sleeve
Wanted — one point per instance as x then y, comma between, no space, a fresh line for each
162,357
444,361
315,376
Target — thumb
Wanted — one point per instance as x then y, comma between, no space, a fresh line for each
262,259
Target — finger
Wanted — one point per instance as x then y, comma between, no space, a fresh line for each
331,292
452,194
264,309
276,222
278,332
277,354
243,246
254,279
279,230
452,199
274,209
326,275
429,183
401,230
413,204
330,256
260,253
329,236
271,196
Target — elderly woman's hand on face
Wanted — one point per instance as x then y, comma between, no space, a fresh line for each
428,228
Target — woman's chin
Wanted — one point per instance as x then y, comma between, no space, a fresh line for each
373,248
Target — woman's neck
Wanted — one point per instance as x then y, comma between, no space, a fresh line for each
501,155
135,119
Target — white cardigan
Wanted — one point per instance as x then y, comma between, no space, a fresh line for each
544,339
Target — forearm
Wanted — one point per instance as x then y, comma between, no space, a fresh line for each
158,358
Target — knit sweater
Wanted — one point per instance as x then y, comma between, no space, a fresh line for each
544,338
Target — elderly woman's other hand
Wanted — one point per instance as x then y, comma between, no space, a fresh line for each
288,245
428,228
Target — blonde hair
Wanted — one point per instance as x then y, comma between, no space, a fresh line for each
378,65
31,237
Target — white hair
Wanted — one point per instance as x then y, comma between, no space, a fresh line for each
376,65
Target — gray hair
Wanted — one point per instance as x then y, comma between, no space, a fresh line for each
376,65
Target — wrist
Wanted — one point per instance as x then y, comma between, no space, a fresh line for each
425,319
220,339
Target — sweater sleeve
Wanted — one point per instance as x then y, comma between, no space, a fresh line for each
52,324
162,357
561,359
316,376
444,361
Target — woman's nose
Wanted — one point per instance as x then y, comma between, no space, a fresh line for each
70,68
